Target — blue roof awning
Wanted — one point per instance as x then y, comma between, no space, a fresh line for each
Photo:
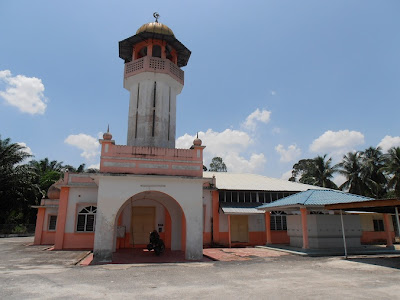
314,198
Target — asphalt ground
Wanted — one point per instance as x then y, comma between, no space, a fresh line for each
31,272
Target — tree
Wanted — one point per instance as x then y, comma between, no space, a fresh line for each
351,167
371,172
18,189
217,165
317,171
48,172
392,169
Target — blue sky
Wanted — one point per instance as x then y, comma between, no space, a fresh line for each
268,82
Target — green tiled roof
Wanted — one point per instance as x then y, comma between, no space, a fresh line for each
316,198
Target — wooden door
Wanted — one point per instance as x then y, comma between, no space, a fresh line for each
239,229
143,222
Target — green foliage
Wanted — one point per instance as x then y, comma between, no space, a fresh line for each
391,168
25,184
20,229
217,165
18,187
316,171
368,173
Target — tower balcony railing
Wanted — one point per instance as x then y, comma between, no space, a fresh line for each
154,64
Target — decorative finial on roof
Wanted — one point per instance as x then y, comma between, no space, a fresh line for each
156,16
197,141
107,135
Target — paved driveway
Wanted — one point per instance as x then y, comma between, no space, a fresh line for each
28,272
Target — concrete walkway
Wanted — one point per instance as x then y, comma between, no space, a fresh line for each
240,254
364,250
32,272
143,256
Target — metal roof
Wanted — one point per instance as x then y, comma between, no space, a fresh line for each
126,46
253,182
315,198
234,208
373,206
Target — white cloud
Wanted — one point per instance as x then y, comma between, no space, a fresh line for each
286,175
258,115
388,142
26,149
94,166
289,154
231,145
25,93
88,144
337,143
273,93
339,179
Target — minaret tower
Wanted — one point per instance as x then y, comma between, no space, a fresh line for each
153,58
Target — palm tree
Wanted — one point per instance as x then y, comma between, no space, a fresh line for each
17,183
317,171
351,167
324,172
392,169
48,172
371,172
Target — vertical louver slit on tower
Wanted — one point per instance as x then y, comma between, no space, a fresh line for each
169,111
154,108
137,110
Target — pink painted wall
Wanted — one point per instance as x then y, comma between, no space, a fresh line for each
178,162
84,240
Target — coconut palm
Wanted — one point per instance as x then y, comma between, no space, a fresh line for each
324,172
392,168
17,183
48,172
351,167
317,171
371,172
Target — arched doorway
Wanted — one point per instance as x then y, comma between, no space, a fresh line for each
148,211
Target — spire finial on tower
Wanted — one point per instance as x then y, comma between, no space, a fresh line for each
107,135
156,16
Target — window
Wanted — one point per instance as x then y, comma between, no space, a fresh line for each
142,52
86,219
156,51
52,222
228,196
278,221
378,225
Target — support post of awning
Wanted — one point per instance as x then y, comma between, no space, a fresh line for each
268,227
396,211
229,232
389,242
304,227
343,234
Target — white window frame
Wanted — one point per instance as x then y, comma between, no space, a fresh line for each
48,223
91,211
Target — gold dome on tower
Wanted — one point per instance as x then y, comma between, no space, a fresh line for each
155,27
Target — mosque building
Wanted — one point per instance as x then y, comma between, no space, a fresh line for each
149,184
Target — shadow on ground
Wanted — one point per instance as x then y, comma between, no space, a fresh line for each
387,261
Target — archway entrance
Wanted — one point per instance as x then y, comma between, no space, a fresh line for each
148,211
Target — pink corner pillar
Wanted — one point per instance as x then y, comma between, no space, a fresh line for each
304,227
39,226
61,218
